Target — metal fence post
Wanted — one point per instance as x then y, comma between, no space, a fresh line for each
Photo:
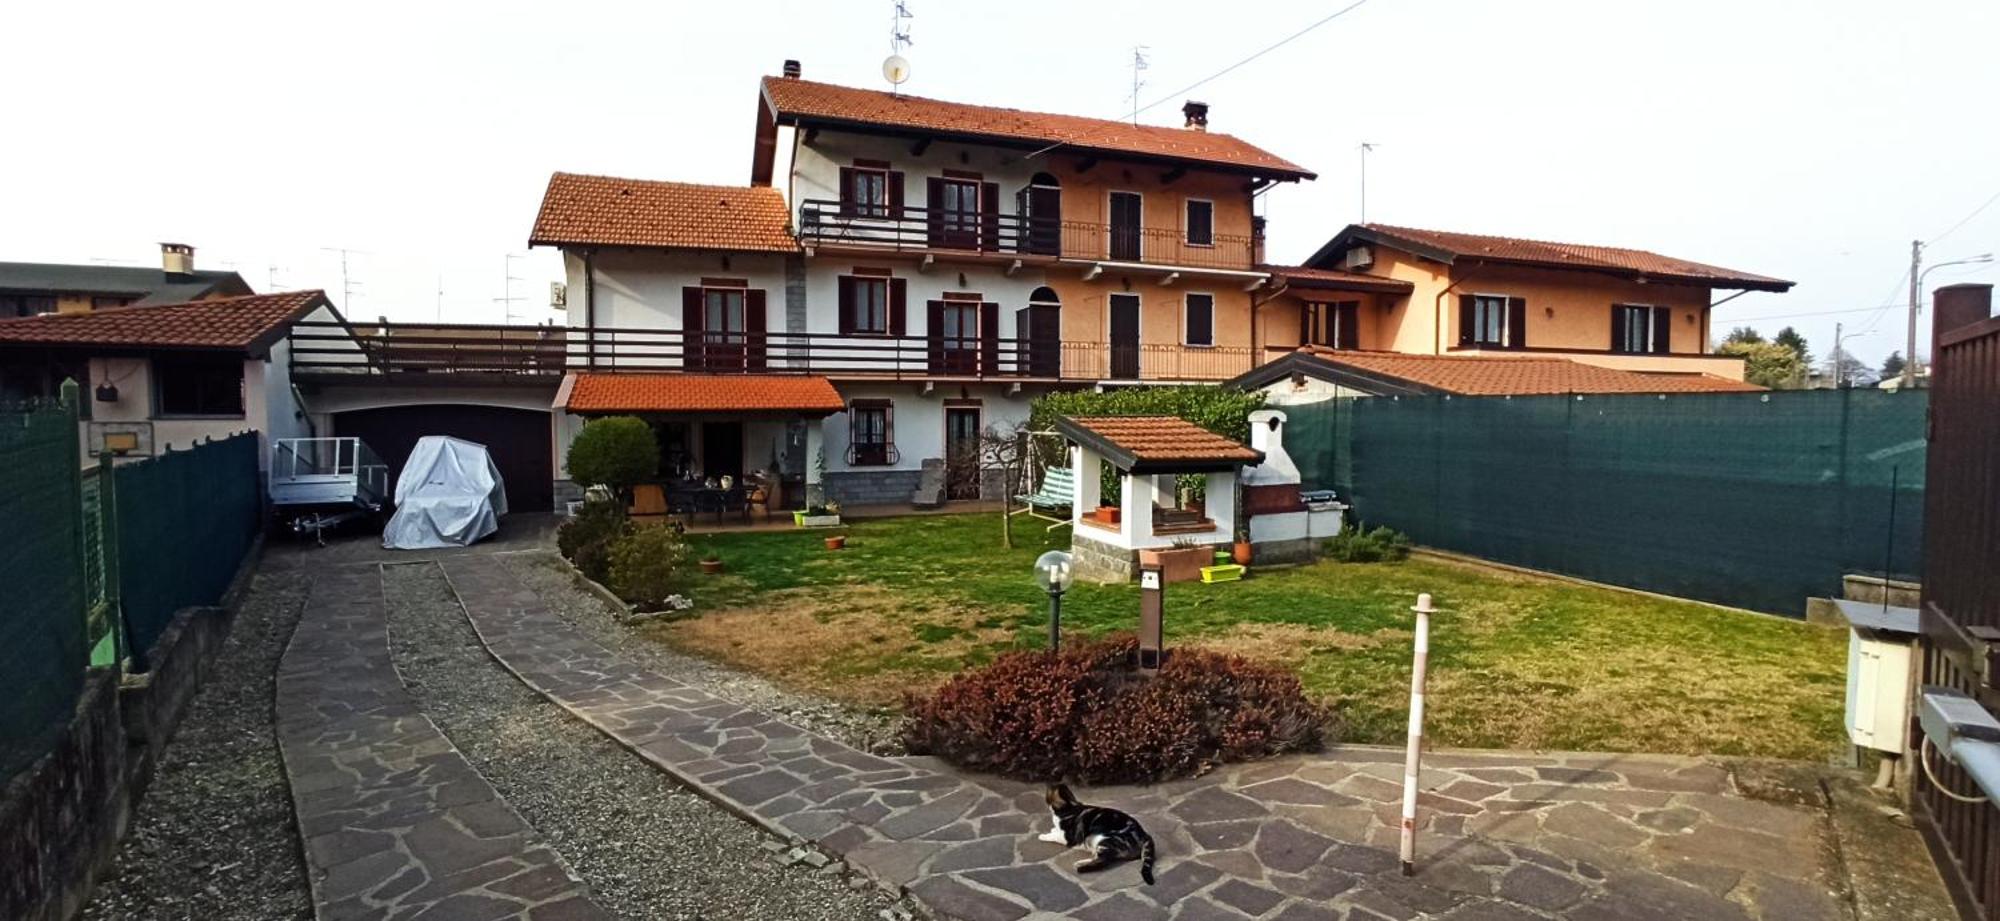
109,550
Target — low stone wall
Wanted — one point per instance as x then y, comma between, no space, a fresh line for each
151,704
566,492
870,487
1097,561
61,817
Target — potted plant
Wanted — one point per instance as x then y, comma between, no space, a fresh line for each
836,541
819,516
1108,514
1240,552
1180,563
711,564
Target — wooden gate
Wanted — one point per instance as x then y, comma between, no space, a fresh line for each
1961,594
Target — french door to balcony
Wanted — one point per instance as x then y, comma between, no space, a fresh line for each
1125,336
1125,226
955,214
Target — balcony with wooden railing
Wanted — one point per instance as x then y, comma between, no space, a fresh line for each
331,352
996,236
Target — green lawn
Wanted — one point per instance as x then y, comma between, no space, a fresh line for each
1516,661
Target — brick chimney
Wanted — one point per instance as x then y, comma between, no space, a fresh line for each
177,260
1197,114
1953,306
791,69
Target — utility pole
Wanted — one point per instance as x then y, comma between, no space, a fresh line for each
1916,297
1836,356
1365,148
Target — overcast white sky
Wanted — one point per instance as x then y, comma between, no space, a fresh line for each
1807,140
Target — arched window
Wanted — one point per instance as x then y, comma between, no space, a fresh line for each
1044,295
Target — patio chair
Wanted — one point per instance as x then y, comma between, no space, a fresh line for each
649,503
1053,500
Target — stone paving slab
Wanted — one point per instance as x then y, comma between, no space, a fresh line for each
396,824
1504,836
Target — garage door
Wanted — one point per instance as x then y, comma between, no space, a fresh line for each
518,439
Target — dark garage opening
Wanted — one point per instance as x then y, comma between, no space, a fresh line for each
518,439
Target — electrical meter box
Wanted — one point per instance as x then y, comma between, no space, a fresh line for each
1880,642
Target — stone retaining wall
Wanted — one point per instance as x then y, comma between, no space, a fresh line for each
870,487
1097,561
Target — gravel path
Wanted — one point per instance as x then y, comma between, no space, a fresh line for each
213,838
647,847
552,579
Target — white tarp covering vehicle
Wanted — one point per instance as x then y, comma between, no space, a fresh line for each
448,495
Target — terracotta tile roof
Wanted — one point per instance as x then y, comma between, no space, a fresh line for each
1492,375
605,392
609,211
1158,444
1560,255
1299,276
239,323
805,101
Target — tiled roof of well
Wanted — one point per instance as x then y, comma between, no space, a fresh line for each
1493,375
1563,255
1156,443
608,211
244,323
615,392
805,100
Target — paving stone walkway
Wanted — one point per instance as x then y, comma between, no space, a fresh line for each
396,824
1505,836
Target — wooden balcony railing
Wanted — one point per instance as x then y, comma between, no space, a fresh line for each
823,222
330,350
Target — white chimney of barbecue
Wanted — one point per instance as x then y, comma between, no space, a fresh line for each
177,259
1267,434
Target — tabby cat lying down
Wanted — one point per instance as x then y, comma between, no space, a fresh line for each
1108,834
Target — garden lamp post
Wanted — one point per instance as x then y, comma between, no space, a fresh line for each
1053,572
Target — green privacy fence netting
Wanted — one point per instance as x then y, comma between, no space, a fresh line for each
185,519
1752,500
43,643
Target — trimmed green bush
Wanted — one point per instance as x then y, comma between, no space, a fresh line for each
1087,714
585,540
645,564
616,451
1381,545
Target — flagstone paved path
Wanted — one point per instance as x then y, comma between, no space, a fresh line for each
1310,838
395,823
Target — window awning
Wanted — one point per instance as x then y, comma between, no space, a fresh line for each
734,394
1157,444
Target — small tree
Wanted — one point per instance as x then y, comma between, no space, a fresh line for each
1892,366
645,563
1790,338
1743,334
1767,364
617,451
1005,445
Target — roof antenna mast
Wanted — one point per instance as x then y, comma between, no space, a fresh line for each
1139,64
1365,148
896,68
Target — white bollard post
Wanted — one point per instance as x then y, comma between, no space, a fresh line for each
1410,760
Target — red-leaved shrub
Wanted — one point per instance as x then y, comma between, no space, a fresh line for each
1088,714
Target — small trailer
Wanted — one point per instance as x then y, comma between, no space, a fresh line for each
319,483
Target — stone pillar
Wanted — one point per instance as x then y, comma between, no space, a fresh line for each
815,462
1136,515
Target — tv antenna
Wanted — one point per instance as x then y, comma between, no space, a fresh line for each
1366,148
896,68
507,298
347,282
1139,65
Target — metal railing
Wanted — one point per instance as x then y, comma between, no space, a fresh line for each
320,349
824,222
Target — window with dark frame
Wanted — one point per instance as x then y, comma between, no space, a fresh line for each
870,435
26,305
198,385
871,305
1489,321
1639,329
866,193
1335,325
99,303
1200,222
1200,320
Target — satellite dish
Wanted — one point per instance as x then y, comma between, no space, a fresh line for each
896,69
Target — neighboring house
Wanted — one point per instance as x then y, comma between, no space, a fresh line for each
1375,287
1315,373
933,265
33,288
172,374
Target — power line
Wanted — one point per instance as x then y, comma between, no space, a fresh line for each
1965,220
1811,313
1267,50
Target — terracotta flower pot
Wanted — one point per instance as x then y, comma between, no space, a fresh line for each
1240,553
835,543
711,567
1108,514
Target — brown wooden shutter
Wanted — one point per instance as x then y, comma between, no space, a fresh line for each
934,331
1466,319
989,216
896,195
899,300
1199,324
753,329
1617,328
691,316
1350,326
888,431
934,209
847,191
845,285
1305,324
854,453
1517,322
1663,330
989,339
